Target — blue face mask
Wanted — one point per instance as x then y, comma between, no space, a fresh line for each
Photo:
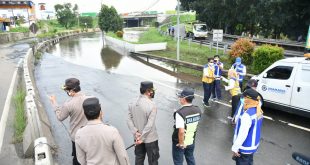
238,63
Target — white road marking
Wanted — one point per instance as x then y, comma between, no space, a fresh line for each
6,107
225,104
300,127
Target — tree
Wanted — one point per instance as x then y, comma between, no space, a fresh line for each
109,20
264,17
65,15
86,22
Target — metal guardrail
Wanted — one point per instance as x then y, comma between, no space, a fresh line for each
226,46
194,66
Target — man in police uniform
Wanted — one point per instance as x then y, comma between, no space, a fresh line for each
141,122
186,122
73,108
248,129
97,143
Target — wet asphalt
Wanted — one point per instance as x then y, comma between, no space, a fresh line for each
114,78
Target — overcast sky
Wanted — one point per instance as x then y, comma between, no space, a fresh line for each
122,6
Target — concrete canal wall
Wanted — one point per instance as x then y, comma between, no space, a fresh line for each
14,36
117,44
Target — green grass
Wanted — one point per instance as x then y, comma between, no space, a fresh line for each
20,119
183,19
152,36
193,52
19,29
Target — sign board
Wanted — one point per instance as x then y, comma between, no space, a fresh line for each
308,39
218,35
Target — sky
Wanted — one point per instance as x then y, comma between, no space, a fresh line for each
122,6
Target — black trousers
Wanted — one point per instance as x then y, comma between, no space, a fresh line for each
152,151
74,160
244,159
234,104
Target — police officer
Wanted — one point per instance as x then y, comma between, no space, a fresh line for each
186,122
98,143
141,122
240,69
73,108
248,129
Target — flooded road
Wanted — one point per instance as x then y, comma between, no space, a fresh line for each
115,78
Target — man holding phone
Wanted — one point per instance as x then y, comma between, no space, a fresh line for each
218,68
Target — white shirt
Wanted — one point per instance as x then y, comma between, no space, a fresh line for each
179,121
243,132
231,84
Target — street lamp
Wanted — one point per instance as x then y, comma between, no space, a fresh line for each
178,31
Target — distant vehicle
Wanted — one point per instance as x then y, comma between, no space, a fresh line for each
285,85
196,30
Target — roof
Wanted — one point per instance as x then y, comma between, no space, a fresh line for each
294,60
6,3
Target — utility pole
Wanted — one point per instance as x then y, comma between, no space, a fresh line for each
178,32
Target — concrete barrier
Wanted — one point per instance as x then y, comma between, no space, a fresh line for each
14,36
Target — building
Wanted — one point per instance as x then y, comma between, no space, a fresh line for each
140,19
11,10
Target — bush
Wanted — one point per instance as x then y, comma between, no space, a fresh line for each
19,29
266,55
243,48
119,34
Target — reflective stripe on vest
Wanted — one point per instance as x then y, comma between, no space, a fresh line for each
217,70
251,142
239,69
191,123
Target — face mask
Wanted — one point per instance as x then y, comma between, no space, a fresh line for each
152,94
211,64
238,63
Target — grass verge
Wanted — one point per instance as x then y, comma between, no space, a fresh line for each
20,118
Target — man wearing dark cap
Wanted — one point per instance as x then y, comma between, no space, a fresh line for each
141,122
251,84
96,142
248,129
73,108
186,122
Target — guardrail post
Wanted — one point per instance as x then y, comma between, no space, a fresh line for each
225,48
42,152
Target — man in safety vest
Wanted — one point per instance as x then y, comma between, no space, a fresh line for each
186,122
240,69
248,129
208,81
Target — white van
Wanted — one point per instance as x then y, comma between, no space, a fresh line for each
285,85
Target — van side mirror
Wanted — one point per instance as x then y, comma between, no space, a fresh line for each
264,75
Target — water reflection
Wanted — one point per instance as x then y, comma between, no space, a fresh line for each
110,58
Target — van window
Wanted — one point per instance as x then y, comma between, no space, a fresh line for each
280,72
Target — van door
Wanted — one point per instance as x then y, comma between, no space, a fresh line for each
301,89
277,82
